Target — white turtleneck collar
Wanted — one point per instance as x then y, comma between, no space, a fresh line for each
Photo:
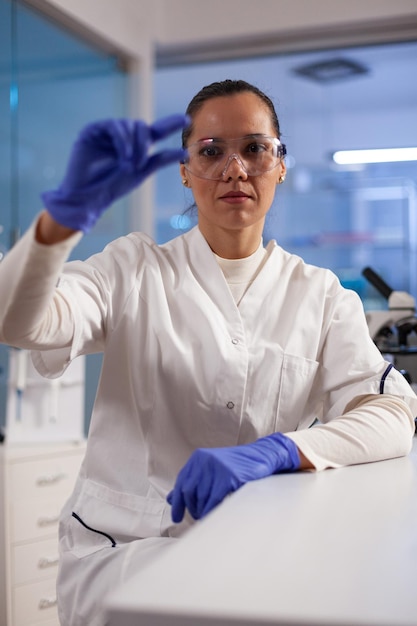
240,273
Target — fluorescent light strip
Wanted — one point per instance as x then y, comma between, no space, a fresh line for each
383,155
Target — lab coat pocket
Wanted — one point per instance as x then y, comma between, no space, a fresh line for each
103,518
84,539
298,404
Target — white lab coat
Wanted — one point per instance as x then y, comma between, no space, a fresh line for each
184,367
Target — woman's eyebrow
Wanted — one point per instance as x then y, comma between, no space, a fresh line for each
220,139
203,139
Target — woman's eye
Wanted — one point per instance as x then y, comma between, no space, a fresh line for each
210,151
255,148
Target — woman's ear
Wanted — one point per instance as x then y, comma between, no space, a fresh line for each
281,173
183,173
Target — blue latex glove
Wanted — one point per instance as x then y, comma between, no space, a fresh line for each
212,473
108,160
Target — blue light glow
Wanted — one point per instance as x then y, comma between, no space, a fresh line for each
180,222
14,96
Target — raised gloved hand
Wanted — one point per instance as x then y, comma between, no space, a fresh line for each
212,473
108,160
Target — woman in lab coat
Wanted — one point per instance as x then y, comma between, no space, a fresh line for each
219,353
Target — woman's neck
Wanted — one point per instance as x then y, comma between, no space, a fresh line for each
233,244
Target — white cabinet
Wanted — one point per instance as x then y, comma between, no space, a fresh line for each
36,479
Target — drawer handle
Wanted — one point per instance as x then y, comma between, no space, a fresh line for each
45,562
50,479
47,603
48,521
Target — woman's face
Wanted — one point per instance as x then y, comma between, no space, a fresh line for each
237,201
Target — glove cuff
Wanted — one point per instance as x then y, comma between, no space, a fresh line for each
68,211
287,455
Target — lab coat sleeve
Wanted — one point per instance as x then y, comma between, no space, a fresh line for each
31,306
368,409
376,428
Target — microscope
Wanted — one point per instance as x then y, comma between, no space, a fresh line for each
394,330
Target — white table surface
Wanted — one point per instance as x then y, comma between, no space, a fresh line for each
336,548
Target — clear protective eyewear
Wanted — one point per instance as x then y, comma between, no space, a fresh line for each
255,154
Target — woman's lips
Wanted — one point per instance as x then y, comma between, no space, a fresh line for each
234,197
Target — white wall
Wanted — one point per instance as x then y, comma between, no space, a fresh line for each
186,21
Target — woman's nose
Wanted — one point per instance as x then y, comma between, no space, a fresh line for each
234,168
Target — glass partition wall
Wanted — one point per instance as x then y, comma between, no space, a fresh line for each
51,85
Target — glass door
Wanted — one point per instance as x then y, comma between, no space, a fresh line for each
52,84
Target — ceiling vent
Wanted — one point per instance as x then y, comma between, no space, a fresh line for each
331,71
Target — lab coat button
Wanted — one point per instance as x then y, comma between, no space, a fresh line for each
230,405
235,341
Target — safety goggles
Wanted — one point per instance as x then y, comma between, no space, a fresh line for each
255,154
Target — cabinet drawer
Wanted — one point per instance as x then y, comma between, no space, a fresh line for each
34,603
44,477
35,519
35,561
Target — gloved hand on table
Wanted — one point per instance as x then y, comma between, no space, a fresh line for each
212,473
108,160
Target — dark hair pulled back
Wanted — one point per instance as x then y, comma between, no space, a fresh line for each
224,88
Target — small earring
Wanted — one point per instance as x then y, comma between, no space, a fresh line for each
281,179
185,182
